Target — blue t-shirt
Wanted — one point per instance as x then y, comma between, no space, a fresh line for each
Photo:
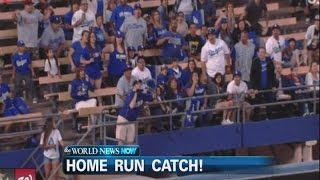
118,15
80,89
93,69
4,90
117,63
151,39
160,31
100,7
101,40
162,79
78,52
68,20
186,76
132,114
176,74
264,75
22,62
197,103
173,47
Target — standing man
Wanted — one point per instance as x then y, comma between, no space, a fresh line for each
195,42
130,112
82,20
53,37
215,56
23,71
245,51
124,86
275,44
135,29
312,39
262,77
173,44
120,13
27,24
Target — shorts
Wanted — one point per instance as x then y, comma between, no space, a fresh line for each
47,160
125,132
295,3
86,104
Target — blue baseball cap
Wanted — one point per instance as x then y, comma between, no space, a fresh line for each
131,48
212,31
237,73
20,43
140,48
55,19
224,21
137,6
119,34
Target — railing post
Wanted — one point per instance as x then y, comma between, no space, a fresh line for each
314,102
170,123
238,112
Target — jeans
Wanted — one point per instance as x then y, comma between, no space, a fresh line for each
263,98
18,84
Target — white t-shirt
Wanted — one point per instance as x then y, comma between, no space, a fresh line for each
185,6
237,91
274,48
90,21
53,69
54,138
141,75
310,81
214,56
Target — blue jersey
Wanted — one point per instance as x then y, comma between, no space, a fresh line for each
151,39
80,90
160,31
100,7
132,114
78,52
68,20
200,90
119,14
162,79
101,40
186,76
22,62
117,63
93,69
173,47
177,74
4,91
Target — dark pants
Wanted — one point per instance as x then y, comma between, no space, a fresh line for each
262,98
18,84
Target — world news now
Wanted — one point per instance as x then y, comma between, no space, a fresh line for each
127,159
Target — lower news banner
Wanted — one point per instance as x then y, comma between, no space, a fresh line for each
126,159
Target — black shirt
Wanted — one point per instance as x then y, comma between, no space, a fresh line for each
195,44
254,11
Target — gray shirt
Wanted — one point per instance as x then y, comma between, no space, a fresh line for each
135,31
244,58
123,88
52,39
27,25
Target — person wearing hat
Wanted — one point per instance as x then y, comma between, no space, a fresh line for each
120,13
238,92
27,25
135,28
124,86
23,71
312,40
133,105
53,37
82,20
215,57
275,44
117,60
141,72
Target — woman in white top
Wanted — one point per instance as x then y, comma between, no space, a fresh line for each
182,25
52,68
50,141
312,77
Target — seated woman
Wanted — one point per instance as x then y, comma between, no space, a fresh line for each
80,88
290,55
163,77
186,73
176,72
173,92
196,88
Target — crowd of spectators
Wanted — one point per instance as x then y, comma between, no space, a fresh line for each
222,44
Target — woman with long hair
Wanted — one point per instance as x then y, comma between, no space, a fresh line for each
49,142
228,14
224,33
118,59
93,69
157,24
77,49
186,72
196,88
182,24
